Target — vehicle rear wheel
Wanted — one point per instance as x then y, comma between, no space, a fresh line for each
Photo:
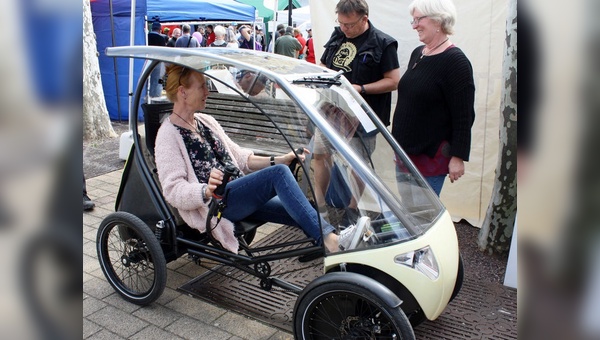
131,258
339,310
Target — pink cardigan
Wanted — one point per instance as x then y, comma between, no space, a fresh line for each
179,184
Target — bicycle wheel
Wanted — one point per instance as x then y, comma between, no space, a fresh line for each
338,310
131,258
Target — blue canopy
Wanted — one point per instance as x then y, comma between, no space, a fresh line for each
112,23
199,10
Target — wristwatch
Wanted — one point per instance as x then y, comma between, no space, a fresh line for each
272,159
362,89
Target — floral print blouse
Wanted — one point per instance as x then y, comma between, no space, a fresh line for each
206,152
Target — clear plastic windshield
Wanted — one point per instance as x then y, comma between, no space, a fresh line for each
353,169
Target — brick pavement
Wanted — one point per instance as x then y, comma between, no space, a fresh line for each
173,315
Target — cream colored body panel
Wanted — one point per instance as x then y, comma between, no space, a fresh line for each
432,296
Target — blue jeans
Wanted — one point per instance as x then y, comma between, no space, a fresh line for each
436,183
273,195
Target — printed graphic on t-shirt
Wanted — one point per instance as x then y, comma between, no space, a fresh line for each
344,56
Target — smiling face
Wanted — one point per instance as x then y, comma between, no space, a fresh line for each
196,92
426,27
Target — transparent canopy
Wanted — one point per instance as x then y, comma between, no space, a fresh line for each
355,168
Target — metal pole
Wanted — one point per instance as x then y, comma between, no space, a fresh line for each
290,13
131,42
115,64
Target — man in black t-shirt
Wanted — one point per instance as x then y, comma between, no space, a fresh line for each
369,59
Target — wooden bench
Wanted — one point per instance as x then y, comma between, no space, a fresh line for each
249,127
244,123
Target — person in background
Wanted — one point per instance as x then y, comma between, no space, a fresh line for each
436,95
174,36
288,45
166,32
210,35
246,39
278,32
186,40
232,42
309,49
88,204
260,37
369,59
298,35
155,38
192,150
199,35
220,33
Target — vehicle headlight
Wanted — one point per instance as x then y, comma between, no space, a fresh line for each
422,260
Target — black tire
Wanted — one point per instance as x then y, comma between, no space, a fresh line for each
459,278
131,258
339,310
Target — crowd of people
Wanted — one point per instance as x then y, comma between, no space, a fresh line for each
234,36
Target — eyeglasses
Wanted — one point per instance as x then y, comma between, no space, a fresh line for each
351,25
417,20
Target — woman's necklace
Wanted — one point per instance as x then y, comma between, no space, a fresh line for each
430,51
190,124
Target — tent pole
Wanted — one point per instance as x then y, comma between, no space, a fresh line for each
131,42
115,65
290,13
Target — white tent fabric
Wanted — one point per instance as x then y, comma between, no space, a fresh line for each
480,33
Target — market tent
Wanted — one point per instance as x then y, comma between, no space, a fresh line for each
112,26
267,13
480,33
199,10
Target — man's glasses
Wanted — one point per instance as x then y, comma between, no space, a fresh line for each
351,25
416,21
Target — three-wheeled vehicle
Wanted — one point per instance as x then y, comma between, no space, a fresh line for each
404,272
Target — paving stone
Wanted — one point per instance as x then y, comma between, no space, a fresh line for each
90,328
154,333
118,321
196,309
105,335
244,327
91,305
158,315
189,328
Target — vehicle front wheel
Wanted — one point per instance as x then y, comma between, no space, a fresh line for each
131,258
339,310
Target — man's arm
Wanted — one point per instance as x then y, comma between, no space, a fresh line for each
388,83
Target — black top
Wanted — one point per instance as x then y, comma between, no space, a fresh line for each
436,103
156,39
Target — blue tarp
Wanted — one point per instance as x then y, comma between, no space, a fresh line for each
114,30
199,10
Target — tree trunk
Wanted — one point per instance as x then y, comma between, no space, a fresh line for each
96,121
496,232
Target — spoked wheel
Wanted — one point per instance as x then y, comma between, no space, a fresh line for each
131,258
338,310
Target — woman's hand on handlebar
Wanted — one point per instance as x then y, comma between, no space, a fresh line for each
215,179
290,156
